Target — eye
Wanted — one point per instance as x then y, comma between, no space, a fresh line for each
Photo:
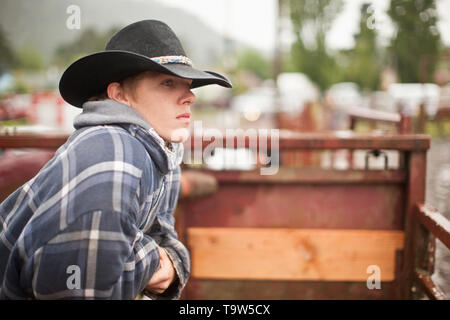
167,83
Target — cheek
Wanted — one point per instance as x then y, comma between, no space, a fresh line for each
154,107
161,111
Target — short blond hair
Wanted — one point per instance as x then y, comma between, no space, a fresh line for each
129,83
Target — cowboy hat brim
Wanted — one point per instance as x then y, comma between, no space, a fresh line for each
91,75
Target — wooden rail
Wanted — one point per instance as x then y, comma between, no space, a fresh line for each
402,122
430,225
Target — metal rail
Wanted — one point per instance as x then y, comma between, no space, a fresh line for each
286,140
402,122
431,225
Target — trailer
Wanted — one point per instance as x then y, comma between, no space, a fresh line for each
305,232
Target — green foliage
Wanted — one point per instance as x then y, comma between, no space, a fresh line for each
20,86
6,53
247,68
88,42
311,20
253,61
364,60
416,45
29,59
317,15
318,65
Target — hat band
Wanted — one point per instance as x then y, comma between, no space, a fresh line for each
173,59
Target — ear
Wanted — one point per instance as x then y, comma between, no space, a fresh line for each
116,92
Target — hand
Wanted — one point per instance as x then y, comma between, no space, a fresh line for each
164,276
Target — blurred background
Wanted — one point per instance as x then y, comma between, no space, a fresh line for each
284,57
302,65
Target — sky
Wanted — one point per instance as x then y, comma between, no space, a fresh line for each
253,21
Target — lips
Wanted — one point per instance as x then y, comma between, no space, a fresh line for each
184,116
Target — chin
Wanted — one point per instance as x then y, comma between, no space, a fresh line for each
179,135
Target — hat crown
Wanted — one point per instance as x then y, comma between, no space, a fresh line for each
150,38
147,45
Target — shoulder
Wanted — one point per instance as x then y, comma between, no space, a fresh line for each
107,143
107,155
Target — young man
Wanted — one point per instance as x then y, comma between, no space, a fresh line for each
97,221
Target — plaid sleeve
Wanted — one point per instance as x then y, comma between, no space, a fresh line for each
163,230
75,231
179,256
181,262
96,249
101,255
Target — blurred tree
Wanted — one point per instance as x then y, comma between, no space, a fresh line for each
251,60
247,68
29,59
312,20
416,45
7,59
88,42
20,86
364,59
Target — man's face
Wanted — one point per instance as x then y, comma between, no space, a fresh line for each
164,101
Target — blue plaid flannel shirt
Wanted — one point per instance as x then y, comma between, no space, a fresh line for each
98,210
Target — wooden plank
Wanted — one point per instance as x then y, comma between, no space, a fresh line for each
292,254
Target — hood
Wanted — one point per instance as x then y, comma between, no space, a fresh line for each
107,112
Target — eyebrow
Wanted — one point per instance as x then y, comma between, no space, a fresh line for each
168,76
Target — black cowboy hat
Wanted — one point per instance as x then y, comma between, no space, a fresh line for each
147,45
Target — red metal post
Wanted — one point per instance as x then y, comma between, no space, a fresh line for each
415,191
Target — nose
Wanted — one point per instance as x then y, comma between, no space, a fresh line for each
188,98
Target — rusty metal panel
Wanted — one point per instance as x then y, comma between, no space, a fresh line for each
371,207
49,141
309,175
19,166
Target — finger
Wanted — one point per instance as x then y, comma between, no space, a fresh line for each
161,275
162,286
161,279
162,252
158,288
157,277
